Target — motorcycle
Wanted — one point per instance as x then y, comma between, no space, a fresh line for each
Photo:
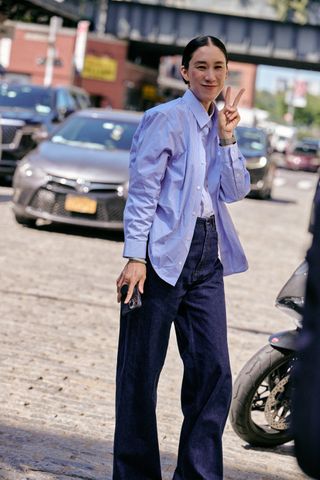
261,406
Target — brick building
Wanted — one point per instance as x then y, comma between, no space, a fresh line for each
107,75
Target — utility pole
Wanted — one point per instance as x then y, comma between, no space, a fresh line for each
102,17
3,17
55,25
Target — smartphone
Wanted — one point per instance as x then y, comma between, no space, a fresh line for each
134,302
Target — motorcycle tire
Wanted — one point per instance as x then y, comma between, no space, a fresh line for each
268,370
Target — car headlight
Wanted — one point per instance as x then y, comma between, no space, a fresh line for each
29,170
123,190
262,162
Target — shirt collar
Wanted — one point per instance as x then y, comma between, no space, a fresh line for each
201,115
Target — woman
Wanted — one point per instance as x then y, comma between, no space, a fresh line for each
179,240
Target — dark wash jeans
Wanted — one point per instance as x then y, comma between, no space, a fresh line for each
196,306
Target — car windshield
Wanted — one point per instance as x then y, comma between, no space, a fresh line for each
26,96
251,140
97,133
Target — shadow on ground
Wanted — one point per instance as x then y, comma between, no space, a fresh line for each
34,454
286,450
5,198
62,455
245,472
284,201
114,235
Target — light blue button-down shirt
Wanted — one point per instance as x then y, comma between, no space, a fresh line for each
167,173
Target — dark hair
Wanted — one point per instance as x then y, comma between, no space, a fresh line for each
198,42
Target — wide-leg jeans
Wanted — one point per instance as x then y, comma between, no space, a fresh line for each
196,306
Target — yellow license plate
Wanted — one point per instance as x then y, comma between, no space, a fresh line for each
80,204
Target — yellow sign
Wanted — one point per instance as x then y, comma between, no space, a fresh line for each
100,68
149,92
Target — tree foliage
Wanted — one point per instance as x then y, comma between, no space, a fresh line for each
309,115
291,10
275,104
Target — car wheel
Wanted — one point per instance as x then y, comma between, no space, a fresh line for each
264,194
267,194
28,222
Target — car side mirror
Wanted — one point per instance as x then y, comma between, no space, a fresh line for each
68,112
59,116
62,114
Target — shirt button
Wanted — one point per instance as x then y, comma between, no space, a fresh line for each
198,187
180,263
194,214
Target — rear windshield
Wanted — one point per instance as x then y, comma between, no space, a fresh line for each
306,149
25,96
98,133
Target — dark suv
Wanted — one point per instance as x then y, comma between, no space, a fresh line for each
28,113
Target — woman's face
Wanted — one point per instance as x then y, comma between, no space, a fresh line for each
206,73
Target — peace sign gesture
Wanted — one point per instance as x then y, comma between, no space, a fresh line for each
229,116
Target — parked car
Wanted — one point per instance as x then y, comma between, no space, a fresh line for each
28,113
283,136
305,155
255,146
80,174
315,203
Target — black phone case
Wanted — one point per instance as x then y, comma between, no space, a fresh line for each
134,302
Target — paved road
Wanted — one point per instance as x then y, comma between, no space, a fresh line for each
59,327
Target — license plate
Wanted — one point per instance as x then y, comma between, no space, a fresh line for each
80,204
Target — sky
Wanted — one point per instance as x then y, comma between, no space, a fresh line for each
267,77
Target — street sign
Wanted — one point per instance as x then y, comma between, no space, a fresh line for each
100,68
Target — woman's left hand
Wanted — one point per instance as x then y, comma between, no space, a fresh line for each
229,117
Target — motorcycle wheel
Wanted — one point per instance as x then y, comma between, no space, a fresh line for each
260,408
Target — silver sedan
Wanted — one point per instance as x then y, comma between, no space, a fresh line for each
79,175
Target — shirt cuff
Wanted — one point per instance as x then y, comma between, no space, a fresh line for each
230,152
135,248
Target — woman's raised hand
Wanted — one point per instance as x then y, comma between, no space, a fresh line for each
229,116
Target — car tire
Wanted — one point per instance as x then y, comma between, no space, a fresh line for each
266,194
27,222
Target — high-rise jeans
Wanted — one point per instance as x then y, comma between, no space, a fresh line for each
196,306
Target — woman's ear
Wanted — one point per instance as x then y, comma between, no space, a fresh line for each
184,73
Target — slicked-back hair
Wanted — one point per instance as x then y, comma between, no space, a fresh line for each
198,42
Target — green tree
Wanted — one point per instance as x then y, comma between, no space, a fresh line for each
272,103
275,104
310,114
294,10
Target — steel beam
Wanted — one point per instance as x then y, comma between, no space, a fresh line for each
247,39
